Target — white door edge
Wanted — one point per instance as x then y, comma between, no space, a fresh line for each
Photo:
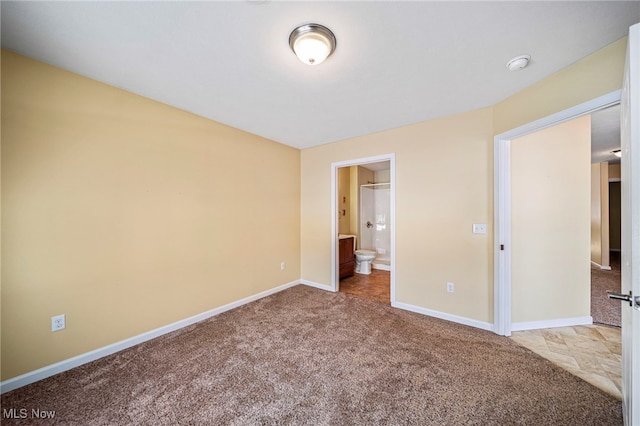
630,259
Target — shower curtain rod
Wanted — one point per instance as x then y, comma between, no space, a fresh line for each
375,184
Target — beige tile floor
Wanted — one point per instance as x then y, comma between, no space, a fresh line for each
591,352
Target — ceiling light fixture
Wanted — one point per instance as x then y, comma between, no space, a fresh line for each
617,153
312,43
519,62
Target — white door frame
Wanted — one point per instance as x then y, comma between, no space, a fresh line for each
335,280
502,201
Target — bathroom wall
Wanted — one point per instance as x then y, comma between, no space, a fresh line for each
359,177
375,203
600,214
382,176
344,201
550,217
126,215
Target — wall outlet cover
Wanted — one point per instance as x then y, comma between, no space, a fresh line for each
57,323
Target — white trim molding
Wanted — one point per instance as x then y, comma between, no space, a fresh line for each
381,266
443,315
597,265
561,322
76,361
318,285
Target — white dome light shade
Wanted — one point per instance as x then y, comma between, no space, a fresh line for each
312,43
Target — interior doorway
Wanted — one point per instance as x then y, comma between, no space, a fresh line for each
503,322
363,206
561,211
556,220
605,215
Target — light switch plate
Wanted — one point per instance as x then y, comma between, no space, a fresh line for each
479,228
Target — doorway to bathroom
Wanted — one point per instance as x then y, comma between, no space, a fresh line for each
363,202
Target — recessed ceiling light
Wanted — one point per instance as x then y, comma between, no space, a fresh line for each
519,62
312,43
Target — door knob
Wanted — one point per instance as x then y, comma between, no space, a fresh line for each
624,297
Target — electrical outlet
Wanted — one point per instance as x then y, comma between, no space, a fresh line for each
450,287
282,266
57,323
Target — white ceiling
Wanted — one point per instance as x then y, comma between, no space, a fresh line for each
396,63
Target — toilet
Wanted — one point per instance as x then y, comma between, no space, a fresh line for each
363,261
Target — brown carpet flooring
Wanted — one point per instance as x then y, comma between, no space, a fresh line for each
604,310
306,356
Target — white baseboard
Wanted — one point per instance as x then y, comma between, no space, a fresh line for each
68,364
317,285
442,315
381,266
562,322
604,268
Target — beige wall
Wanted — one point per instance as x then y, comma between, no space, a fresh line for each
596,215
125,214
344,200
434,217
354,198
550,210
359,176
382,176
614,171
365,176
600,213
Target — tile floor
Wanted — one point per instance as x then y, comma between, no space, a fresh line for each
591,352
374,287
